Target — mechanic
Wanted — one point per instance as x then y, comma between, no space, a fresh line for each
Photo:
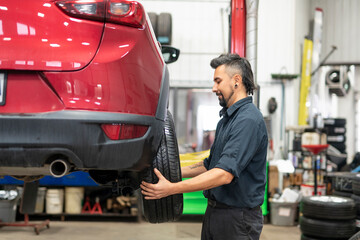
233,177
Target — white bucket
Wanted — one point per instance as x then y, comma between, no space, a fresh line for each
54,200
308,190
73,199
40,199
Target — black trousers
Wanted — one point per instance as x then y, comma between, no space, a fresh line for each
232,224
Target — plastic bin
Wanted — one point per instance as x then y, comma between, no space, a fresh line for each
283,213
54,200
40,200
73,199
8,210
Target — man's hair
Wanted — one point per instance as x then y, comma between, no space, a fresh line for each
234,64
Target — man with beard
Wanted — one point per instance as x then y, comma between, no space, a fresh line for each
233,177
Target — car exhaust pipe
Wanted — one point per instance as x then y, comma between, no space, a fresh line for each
59,168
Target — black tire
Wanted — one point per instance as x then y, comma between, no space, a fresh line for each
153,19
335,130
336,138
328,207
168,163
342,194
334,122
327,229
356,199
356,186
304,237
343,182
356,236
164,28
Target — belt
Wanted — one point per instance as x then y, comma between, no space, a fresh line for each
214,204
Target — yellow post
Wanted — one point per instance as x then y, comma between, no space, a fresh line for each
305,81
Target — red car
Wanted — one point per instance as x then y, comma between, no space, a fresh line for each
84,86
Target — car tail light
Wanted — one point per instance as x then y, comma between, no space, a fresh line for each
92,9
125,12
124,131
122,12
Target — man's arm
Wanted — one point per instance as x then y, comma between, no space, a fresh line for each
209,179
193,170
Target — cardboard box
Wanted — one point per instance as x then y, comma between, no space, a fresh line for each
274,179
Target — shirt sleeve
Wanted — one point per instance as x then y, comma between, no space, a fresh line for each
207,162
240,147
208,159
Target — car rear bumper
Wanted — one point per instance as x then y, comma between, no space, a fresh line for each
33,141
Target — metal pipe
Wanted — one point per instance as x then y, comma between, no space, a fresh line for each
251,34
59,168
251,41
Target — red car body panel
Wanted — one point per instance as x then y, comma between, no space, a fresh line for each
51,38
124,76
27,92
117,79
61,94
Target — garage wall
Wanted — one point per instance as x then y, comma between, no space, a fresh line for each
341,28
282,26
200,30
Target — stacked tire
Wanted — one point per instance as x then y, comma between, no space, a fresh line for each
162,26
327,217
336,133
347,184
342,183
356,197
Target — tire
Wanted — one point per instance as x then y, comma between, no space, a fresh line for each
336,138
327,229
153,19
164,28
356,186
305,237
335,130
342,194
334,122
328,207
356,236
168,163
356,199
343,182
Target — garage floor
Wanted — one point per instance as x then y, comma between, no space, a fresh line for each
187,228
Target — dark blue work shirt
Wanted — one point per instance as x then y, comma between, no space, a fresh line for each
240,148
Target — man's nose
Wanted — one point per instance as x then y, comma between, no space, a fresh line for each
214,88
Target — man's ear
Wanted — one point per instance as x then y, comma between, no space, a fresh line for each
238,79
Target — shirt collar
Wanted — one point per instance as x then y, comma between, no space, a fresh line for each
229,111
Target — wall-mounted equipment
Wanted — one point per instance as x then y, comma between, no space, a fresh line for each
272,105
337,80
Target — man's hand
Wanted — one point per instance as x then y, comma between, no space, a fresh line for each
159,190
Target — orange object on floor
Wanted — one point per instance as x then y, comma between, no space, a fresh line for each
97,208
86,208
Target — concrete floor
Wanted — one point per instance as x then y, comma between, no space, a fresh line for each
186,229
